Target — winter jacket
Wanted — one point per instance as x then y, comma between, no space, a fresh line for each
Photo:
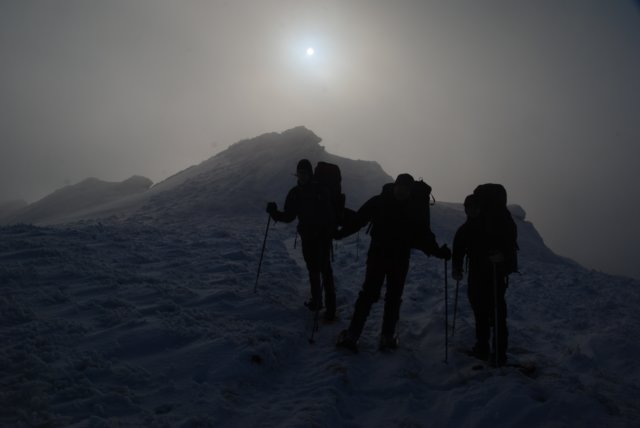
484,236
393,224
311,204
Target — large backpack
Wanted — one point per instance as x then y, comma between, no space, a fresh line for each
421,204
498,223
328,175
420,210
491,197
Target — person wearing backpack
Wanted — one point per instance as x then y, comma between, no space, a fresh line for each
395,229
310,203
488,238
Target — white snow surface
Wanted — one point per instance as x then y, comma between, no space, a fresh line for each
148,317
140,324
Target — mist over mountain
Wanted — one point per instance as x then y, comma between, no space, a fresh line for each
243,178
8,208
78,200
239,181
141,307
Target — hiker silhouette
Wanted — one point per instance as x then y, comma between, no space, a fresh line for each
311,203
488,239
395,229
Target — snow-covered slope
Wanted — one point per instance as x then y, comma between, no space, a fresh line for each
145,325
78,200
250,173
240,179
151,319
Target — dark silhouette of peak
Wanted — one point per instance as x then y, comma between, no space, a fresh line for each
268,148
298,139
74,200
251,172
134,184
239,181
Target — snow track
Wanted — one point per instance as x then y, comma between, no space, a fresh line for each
135,324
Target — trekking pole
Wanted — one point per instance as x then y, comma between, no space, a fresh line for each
315,327
333,251
446,316
495,325
264,244
455,309
316,324
455,304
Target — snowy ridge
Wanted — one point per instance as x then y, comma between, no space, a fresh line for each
78,200
242,178
147,317
140,325
251,173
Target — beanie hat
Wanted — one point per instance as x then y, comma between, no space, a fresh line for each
405,180
305,165
470,200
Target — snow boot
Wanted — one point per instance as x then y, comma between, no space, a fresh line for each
329,316
388,342
313,305
499,361
329,296
480,352
346,341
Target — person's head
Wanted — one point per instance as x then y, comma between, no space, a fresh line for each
402,187
304,171
471,207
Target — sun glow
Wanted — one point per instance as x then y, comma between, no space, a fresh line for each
312,58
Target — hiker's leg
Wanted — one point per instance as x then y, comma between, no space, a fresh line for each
503,332
328,282
393,297
369,294
312,257
481,307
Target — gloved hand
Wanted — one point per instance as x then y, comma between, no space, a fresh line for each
443,253
496,257
457,274
338,234
272,208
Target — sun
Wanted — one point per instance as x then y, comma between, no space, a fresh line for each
310,51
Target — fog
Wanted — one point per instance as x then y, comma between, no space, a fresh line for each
543,97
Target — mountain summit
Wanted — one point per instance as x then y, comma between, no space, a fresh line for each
239,181
244,177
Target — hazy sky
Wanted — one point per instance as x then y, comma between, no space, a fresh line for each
542,96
